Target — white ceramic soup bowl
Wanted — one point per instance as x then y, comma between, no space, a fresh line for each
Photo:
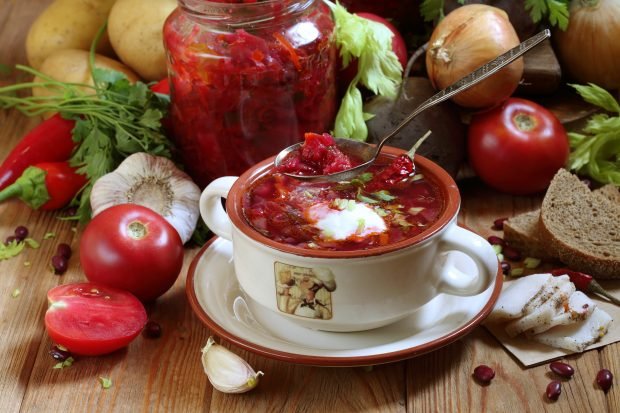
351,290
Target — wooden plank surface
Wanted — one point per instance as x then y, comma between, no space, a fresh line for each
165,375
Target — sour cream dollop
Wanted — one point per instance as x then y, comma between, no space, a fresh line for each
346,220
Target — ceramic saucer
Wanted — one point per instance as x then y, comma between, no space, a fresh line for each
219,302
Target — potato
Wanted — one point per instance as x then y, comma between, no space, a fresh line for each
67,24
72,66
136,33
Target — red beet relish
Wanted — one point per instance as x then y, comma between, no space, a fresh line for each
277,206
241,95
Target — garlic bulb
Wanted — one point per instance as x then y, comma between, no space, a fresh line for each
154,182
226,371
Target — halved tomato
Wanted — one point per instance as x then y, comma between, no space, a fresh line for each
92,319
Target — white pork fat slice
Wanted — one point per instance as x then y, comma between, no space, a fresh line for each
577,336
515,298
542,314
579,307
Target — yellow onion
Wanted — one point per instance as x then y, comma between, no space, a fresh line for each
467,38
589,49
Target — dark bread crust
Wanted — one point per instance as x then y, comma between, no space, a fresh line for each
580,227
522,233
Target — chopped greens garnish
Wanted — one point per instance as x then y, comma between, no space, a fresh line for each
16,292
105,382
596,151
416,210
384,195
531,262
11,249
32,243
63,364
361,224
363,198
49,235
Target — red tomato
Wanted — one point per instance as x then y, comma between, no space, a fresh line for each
517,147
133,248
92,319
399,47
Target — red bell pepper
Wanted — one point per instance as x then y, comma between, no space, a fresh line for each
47,185
50,141
585,282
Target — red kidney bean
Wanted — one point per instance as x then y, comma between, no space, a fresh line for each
499,223
21,232
64,250
554,388
10,239
604,379
484,374
59,354
562,369
505,267
152,330
493,240
511,253
60,264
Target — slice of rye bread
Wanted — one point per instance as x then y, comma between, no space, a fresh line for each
580,227
521,232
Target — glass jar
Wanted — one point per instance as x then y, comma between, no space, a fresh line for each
248,78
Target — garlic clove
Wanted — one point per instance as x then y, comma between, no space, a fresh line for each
154,182
226,371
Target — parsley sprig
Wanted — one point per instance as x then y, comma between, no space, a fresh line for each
555,11
113,119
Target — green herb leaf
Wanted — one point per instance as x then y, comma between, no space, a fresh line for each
556,10
432,10
597,96
596,151
11,249
363,198
378,67
49,235
105,382
351,119
63,364
384,195
32,243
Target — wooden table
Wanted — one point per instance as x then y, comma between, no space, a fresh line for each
165,374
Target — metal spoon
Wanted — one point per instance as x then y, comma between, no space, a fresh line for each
368,153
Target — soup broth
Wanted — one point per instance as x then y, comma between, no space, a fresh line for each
355,215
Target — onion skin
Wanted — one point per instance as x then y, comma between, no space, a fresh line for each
467,38
589,49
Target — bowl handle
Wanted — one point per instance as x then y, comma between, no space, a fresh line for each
466,263
211,208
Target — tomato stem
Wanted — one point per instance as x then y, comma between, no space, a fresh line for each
136,230
525,122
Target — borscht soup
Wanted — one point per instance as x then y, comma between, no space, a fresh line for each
372,210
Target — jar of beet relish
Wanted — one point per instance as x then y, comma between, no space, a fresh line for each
248,78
